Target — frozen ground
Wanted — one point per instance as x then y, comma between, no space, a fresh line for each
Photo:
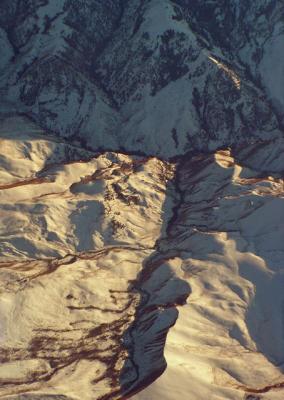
103,253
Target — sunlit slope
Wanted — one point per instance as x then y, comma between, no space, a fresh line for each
99,252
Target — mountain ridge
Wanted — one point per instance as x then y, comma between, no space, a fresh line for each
134,57
141,188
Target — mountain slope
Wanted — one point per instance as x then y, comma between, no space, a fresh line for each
132,74
141,199
89,291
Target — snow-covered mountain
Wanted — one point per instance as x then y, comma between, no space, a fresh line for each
162,77
141,199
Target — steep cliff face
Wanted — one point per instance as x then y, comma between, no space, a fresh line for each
141,199
137,74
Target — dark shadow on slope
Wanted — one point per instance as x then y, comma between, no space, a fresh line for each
265,315
161,293
264,268
146,337
249,218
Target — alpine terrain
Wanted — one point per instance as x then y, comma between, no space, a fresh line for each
141,199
